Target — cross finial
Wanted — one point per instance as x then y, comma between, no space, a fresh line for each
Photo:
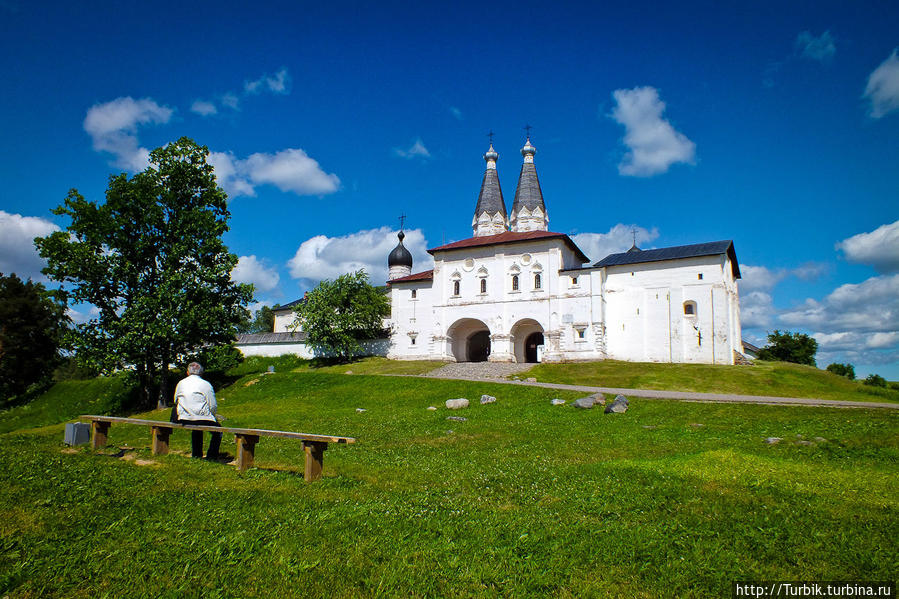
402,221
490,137
527,129
634,232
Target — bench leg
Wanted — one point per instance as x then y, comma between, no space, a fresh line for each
160,442
99,434
314,451
246,450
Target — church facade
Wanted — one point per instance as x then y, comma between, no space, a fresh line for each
517,292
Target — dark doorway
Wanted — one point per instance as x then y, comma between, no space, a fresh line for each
530,347
479,346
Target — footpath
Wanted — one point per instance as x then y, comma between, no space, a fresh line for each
495,372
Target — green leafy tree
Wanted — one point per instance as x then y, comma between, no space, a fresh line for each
785,346
263,322
152,261
32,323
338,314
847,370
875,380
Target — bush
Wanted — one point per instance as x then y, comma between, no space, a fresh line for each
846,370
875,380
785,346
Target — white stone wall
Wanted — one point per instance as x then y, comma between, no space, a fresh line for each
284,321
373,347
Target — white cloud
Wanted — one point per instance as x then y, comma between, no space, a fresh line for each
653,144
879,248
871,307
323,257
417,149
250,269
86,313
203,108
17,252
113,128
619,239
455,112
277,83
231,101
819,48
762,278
289,170
883,87
756,309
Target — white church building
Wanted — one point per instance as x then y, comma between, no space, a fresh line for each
517,292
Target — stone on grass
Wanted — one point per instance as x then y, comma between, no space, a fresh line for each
531,379
487,399
584,402
619,406
598,398
360,410
457,418
456,404
773,440
432,408
348,372
820,439
558,402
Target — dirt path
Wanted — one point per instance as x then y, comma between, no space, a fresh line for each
495,372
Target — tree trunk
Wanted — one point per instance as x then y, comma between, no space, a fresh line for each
164,383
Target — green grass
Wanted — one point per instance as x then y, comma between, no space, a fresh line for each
523,499
370,365
779,379
66,400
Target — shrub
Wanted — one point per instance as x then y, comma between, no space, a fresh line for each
846,370
875,380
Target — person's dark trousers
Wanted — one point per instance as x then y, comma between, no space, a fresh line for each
196,439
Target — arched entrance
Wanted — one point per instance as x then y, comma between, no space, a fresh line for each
527,334
530,347
479,346
470,340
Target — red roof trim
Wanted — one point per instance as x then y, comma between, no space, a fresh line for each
419,276
509,237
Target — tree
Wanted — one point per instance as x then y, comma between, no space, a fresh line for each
32,323
151,259
338,314
790,347
875,380
263,322
847,370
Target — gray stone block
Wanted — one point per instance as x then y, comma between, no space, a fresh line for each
487,399
584,402
456,404
77,433
619,406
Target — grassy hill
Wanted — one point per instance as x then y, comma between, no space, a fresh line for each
523,498
779,379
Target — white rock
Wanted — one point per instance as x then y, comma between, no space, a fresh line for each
360,410
432,408
487,399
558,402
456,404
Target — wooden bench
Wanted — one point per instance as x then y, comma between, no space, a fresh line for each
314,446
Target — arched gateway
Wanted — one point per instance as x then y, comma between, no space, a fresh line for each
527,335
470,340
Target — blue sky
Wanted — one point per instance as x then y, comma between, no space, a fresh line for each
775,126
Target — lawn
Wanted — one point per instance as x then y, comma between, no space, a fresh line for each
522,499
779,379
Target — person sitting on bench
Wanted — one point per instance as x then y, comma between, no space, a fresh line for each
195,404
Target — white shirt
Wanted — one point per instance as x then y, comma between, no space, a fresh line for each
195,399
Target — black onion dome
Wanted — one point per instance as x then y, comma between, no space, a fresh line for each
400,256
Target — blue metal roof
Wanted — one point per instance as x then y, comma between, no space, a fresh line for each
675,253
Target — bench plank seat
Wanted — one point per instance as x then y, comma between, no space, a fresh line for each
245,439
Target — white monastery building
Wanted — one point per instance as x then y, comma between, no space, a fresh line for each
516,292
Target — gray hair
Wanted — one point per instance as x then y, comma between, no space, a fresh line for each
195,368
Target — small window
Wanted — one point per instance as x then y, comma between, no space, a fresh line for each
581,333
514,282
699,276
689,308
414,293
412,339
573,281
456,287
483,285
538,282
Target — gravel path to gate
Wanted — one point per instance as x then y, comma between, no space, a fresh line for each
495,372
